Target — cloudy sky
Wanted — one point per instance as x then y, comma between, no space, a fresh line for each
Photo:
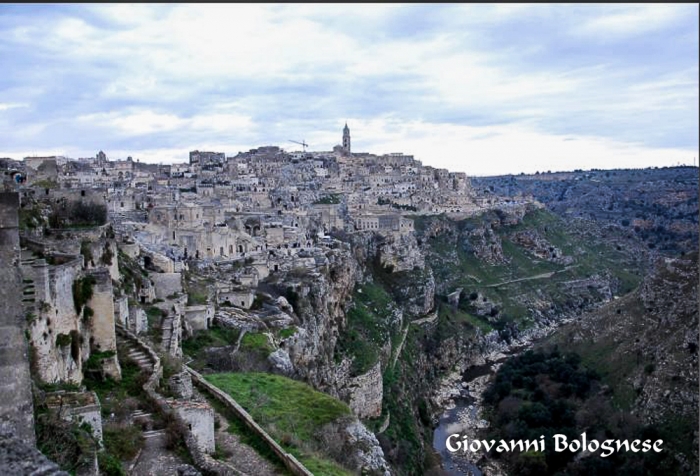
484,89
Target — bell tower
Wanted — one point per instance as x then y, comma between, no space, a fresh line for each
346,138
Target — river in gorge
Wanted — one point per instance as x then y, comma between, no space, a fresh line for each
462,416
454,464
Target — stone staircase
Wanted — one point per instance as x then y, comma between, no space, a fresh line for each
155,458
130,350
28,292
168,329
138,355
143,419
155,434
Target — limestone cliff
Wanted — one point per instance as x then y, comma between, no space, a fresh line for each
486,284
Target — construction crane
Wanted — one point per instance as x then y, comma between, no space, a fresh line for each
302,143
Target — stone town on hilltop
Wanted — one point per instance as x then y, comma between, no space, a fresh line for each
218,207
241,219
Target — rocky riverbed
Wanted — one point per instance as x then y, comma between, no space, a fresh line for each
463,416
460,394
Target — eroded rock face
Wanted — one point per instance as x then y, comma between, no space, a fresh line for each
368,455
486,245
669,297
280,363
351,443
17,457
534,243
401,253
319,303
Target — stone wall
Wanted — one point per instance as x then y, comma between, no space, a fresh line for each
199,418
78,407
121,310
132,250
365,393
166,284
138,322
199,317
19,456
16,410
102,333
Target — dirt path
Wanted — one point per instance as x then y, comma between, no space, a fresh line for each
529,278
155,459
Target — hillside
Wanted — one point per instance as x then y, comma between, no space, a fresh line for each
645,347
656,206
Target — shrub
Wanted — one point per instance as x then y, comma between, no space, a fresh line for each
88,214
63,340
95,360
82,291
69,445
109,464
122,440
86,251
107,255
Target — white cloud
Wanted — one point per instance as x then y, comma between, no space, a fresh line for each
137,123
494,150
629,20
6,106
144,122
